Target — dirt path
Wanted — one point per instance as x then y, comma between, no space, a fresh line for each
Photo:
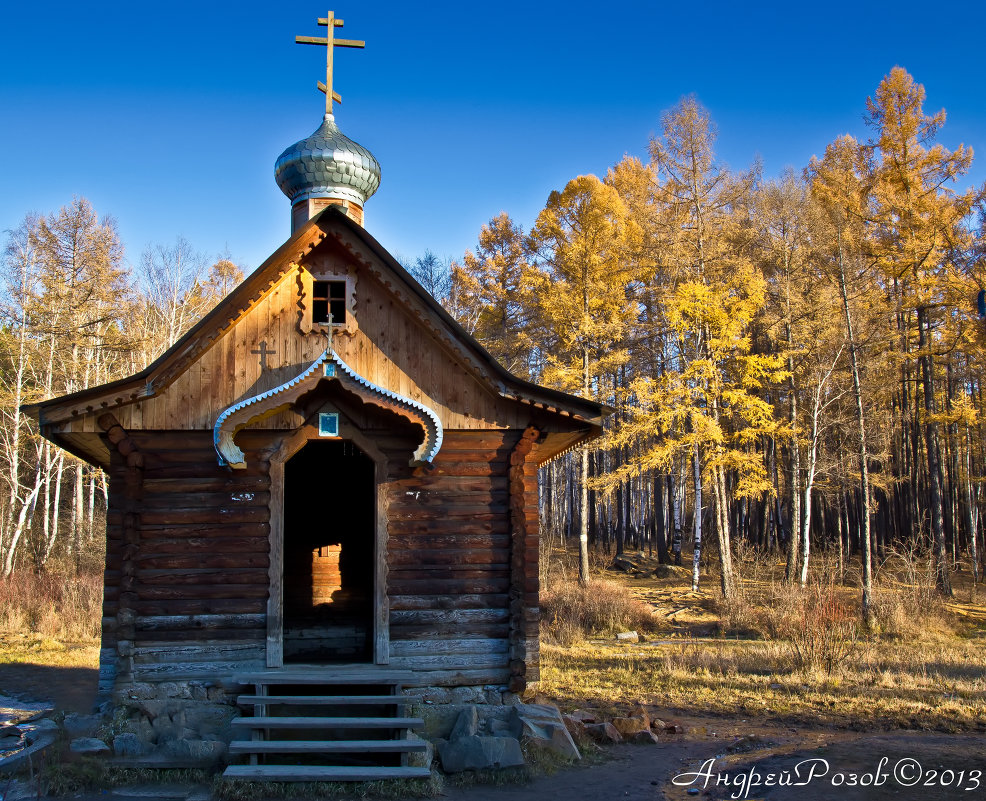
720,758
827,764
72,689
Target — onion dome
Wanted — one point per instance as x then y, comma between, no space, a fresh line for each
327,168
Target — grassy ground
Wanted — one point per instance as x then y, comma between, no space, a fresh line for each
792,654
788,653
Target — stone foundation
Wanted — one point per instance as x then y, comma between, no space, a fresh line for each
184,722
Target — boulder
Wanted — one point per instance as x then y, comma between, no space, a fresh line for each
420,759
671,571
466,725
586,715
10,742
628,727
436,695
88,746
479,753
199,750
209,718
10,731
628,636
468,695
645,737
575,727
542,725
39,729
603,733
623,563
129,745
81,725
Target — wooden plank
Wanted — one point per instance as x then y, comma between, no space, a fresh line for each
195,635
330,700
437,647
213,531
275,601
198,606
268,722
200,515
225,652
441,600
459,678
422,631
322,773
197,575
146,623
236,499
410,527
447,617
327,675
230,482
326,746
427,556
446,587
381,550
463,513
214,561
191,671
191,545
452,661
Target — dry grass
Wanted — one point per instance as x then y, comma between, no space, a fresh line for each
788,652
55,605
572,611
51,619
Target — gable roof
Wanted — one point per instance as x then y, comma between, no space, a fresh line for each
160,373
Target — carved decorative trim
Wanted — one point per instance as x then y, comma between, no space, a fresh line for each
327,367
307,275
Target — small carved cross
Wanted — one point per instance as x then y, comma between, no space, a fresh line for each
330,43
264,351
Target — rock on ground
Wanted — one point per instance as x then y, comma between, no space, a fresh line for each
88,746
478,753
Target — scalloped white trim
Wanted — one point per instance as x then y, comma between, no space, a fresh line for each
230,454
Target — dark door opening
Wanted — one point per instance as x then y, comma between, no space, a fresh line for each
329,538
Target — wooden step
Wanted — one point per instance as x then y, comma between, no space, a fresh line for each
330,700
321,773
325,746
324,675
327,723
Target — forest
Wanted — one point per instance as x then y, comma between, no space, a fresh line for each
791,362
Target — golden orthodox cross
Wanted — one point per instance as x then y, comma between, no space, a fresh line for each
330,43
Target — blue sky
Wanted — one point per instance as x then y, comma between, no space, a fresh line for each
169,116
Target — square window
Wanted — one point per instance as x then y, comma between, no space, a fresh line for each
329,297
328,424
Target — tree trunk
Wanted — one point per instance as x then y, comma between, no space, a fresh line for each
942,578
864,476
584,516
697,525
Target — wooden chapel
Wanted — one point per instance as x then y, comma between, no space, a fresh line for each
326,474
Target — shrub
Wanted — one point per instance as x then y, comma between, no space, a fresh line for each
54,604
821,629
572,611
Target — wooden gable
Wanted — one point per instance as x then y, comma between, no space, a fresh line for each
261,336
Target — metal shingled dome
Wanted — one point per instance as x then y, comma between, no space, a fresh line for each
327,164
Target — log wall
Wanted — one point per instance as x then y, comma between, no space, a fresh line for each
449,561
193,568
196,582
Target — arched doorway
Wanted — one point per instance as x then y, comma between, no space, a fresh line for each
329,554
